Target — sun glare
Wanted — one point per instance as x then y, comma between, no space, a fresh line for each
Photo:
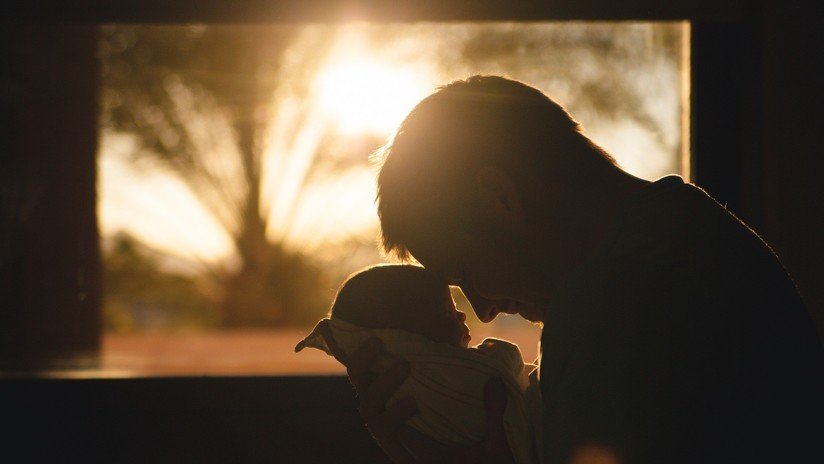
368,96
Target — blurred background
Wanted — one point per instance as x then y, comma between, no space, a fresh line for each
235,191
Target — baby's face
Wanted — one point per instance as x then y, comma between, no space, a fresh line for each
446,324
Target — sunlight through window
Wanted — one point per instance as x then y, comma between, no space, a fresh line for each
235,189
364,96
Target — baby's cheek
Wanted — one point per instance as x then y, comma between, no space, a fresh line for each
433,332
450,334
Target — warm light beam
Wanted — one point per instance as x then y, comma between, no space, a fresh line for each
365,96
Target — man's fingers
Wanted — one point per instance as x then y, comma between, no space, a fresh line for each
495,400
426,449
397,453
360,362
364,356
385,426
395,449
375,395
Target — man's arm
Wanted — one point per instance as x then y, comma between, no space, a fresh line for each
608,390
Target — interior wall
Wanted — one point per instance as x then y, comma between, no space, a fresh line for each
792,195
49,258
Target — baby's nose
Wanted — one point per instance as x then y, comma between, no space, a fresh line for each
461,316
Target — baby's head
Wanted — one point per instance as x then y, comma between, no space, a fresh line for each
402,296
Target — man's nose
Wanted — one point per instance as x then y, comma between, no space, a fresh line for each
461,316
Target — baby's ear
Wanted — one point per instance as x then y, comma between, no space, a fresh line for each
498,194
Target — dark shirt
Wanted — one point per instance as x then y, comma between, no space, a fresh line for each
682,340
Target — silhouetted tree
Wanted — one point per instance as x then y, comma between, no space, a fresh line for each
201,102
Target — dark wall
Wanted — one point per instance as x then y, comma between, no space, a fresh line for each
756,104
49,260
792,196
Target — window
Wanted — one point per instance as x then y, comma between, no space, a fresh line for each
235,192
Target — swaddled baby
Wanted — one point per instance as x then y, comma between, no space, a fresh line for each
413,314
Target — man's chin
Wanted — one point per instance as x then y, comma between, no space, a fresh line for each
528,311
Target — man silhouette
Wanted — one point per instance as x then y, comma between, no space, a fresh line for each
671,331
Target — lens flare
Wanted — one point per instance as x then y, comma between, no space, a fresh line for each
367,96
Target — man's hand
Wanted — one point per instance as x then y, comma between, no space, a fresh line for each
400,442
384,423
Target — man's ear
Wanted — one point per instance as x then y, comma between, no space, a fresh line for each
498,193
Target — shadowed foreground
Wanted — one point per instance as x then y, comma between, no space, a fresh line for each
206,419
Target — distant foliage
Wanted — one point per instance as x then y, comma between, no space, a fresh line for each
140,295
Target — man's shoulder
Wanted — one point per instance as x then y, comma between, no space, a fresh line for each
679,227
676,257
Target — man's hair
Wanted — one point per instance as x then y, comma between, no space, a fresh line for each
389,296
427,169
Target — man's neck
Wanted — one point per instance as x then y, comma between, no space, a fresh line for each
573,231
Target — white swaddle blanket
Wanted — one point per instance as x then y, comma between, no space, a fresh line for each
448,384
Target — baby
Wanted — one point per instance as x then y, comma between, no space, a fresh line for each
413,314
